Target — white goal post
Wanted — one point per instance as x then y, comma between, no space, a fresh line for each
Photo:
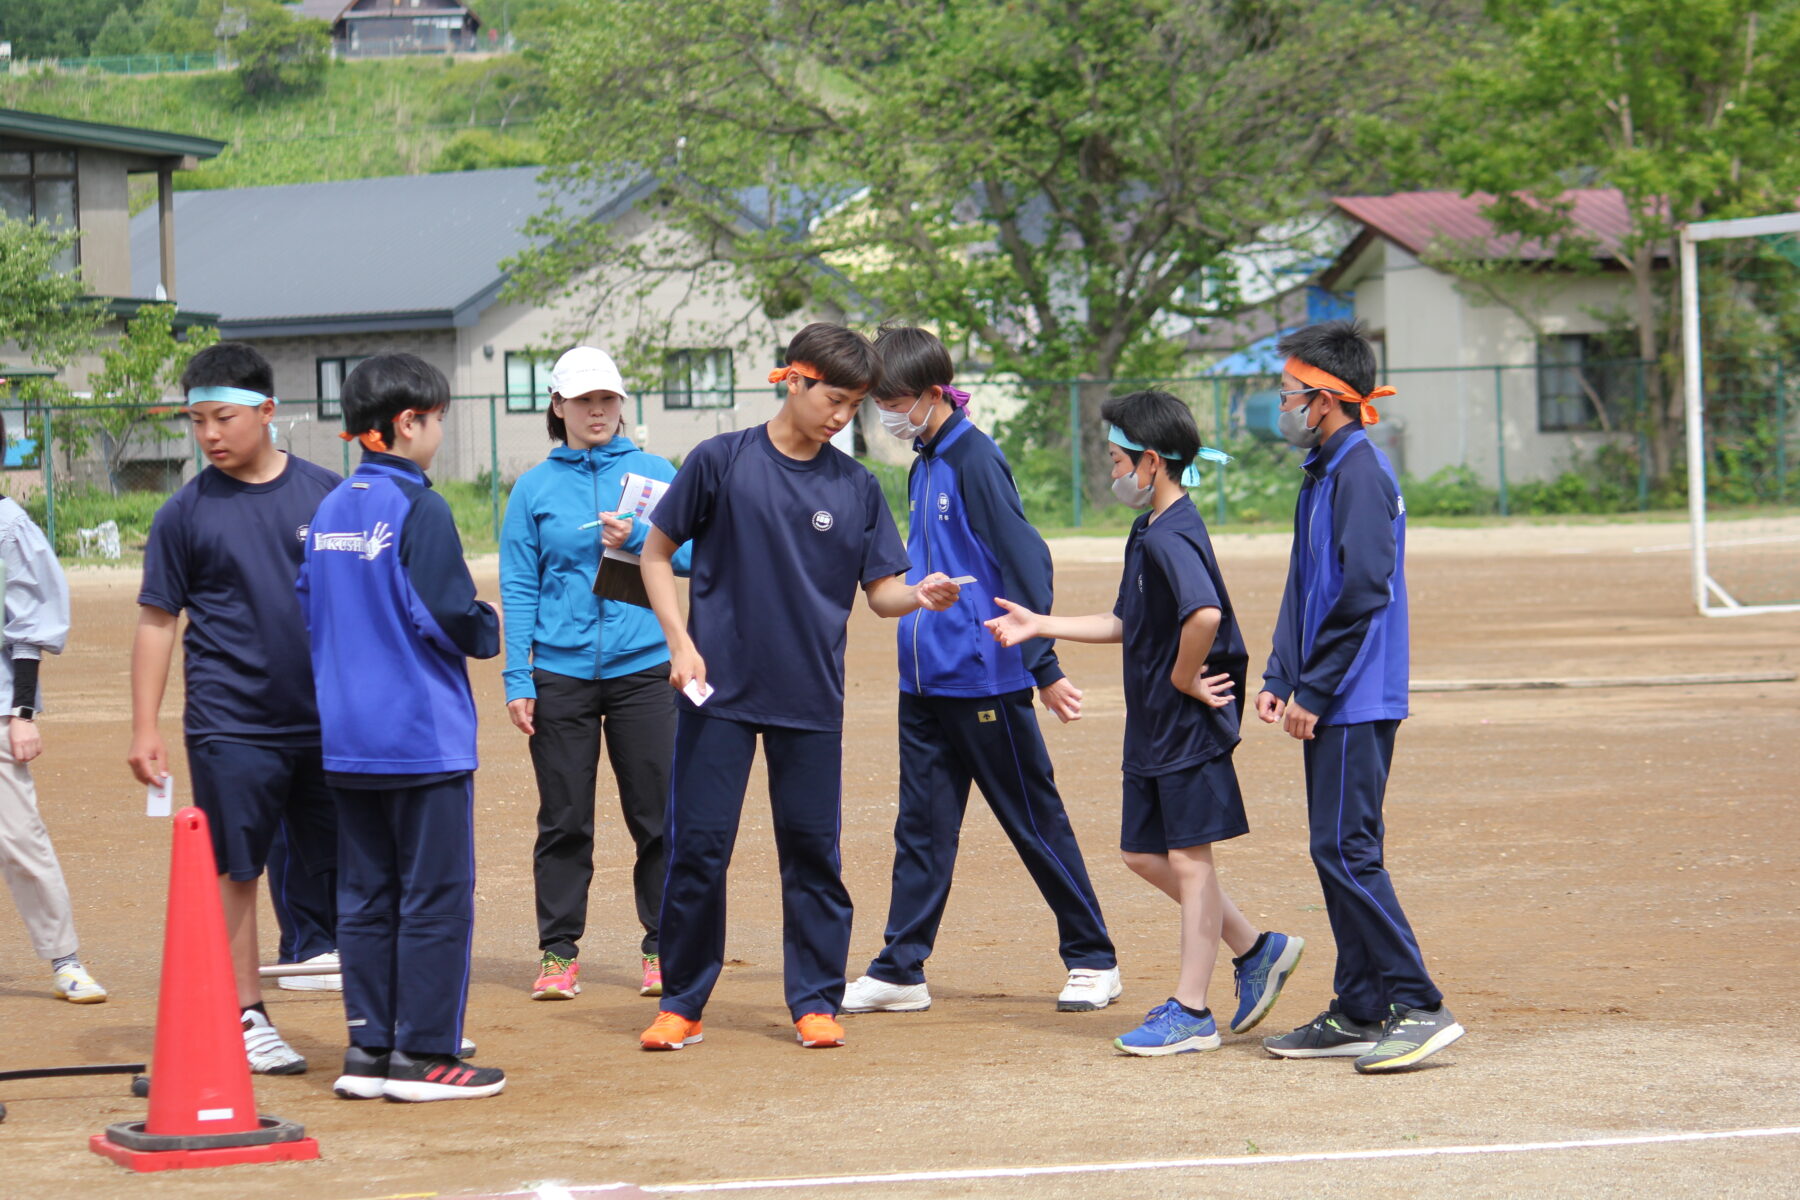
1712,599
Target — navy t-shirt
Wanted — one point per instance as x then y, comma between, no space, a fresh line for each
1171,571
780,547
228,553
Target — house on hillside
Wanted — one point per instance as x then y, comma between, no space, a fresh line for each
377,28
77,174
1501,357
320,276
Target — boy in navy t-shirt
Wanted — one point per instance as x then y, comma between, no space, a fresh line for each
1337,682
1181,723
226,549
393,617
785,528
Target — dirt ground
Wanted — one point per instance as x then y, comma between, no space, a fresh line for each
1604,881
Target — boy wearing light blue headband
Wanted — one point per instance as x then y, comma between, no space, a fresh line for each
226,549
1185,663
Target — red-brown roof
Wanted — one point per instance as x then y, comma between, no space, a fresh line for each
1423,221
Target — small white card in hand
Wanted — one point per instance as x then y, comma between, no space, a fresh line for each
156,797
963,580
696,691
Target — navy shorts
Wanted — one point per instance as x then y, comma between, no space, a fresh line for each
247,791
1194,806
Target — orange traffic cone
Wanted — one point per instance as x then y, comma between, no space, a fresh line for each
202,1111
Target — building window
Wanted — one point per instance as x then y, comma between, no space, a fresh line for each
1581,386
527,382
332,372
698,379
39,185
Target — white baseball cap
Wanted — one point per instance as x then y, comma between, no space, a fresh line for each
585,369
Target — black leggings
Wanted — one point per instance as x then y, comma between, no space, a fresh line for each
636,715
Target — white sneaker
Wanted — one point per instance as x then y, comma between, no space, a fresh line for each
869,994
314,983
268,1054
74,984
1088,990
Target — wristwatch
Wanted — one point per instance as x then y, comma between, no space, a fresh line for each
24,713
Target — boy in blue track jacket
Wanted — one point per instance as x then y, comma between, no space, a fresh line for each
1337,682
965,700
393,617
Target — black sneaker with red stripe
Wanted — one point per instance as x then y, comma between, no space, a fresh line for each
420,1077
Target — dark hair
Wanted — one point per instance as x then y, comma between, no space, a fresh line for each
844,357
229,364
1340,347
912,361
383,387
1156,421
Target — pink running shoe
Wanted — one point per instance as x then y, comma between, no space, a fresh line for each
558,979
652,985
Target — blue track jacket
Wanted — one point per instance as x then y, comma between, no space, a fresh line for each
1341,646
548,563
393,616
966,520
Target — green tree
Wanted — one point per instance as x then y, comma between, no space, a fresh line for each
126,401
43,312
1062,184
1685,106
121,34
181,26
64,29
279,53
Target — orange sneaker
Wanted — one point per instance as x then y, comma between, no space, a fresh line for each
816,1031
670,1031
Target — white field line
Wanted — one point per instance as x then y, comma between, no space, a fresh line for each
1683,547
1189,1164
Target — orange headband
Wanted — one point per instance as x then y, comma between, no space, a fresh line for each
780,374
1313,377
370,438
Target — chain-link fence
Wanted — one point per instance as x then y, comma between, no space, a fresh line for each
1550,437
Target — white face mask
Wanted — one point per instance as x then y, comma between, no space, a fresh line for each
1298,433
1125,488
901,425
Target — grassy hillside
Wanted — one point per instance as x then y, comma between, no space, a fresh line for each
371,118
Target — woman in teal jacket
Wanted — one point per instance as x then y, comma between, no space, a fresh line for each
579,667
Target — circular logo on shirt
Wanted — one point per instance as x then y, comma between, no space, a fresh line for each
301,533
821,520
943,501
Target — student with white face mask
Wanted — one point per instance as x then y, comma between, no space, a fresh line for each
965,702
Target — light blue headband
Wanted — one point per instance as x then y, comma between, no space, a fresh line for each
227,395
1190,477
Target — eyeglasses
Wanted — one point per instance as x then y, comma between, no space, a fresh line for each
1303,392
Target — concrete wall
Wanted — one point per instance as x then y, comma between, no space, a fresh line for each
100,197
1442,341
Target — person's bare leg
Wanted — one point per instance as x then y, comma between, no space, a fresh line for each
1156,869
1202,913
239,897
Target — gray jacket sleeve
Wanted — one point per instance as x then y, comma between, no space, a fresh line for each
37,593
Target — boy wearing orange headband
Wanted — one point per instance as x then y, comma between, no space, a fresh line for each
1337,682
785,528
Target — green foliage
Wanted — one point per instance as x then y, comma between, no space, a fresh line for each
1056,182
279,53
63,29
472,504
484,150
124,404
121,34
1449,492
84,509
42,310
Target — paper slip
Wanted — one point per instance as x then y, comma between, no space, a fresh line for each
963,580
637,500
696,691
156,797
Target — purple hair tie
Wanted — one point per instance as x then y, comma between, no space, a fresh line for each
957,397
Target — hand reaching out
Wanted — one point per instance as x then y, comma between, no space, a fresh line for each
1017,624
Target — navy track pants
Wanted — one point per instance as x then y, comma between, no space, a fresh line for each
406,913
305,903
947,743
1378,958
706,800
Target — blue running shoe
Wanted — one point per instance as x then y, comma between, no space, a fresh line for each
1170,1029
1260,974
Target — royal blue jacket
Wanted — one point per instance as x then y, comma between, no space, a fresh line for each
1341,639
966,520
548,563
393,618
